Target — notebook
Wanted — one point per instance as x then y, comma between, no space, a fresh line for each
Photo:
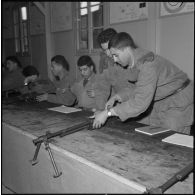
65,109
180,139
151,130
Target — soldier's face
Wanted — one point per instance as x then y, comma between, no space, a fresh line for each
86,71
56,68
104,47
121,56
11,66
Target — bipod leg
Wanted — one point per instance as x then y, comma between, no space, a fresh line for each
57,173
34,161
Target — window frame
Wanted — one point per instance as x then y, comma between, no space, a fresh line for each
20,24
90,28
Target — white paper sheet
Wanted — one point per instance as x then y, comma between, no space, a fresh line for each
64,109
180,139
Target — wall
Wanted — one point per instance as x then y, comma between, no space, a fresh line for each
170,36
176,41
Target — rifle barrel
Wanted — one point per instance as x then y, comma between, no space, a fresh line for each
62,133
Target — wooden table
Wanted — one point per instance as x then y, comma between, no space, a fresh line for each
116,158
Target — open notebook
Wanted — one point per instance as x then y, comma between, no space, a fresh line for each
180,139
151,130
64,109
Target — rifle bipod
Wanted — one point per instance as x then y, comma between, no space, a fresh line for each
34,161
46,138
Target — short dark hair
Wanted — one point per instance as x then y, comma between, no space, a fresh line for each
14,59
86,60
121,40
29,71
61,60
106,35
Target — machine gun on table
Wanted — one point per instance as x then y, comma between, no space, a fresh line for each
179,176
46,139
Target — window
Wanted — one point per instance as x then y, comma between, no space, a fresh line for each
21,30
90,22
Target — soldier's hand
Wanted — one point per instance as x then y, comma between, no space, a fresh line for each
112,100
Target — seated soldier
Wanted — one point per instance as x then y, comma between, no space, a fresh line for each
34,83
84,89
60,70
12,76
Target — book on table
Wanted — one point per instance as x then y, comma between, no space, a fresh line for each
180,139
152,130
64,109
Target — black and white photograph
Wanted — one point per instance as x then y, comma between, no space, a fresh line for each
97,97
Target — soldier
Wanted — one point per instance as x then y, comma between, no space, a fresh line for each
113,77
161,87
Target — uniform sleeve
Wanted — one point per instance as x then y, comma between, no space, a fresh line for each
143,95
67,98
102,90
13,81
102,62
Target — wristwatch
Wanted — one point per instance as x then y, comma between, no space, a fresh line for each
109,112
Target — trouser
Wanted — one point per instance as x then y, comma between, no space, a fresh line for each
175,112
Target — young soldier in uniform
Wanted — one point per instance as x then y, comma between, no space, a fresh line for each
34,83
60,69
160,84
12,76
84,89
113,77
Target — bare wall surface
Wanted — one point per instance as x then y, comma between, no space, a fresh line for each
176,41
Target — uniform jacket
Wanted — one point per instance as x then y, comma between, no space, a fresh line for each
80,92
13,80
157,78
112,80
40,86
62,96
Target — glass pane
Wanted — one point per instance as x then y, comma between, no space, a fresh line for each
84,21
17,45
25,29
83,12
15,15
96,32
84,39
94,3
22,45
83,4
25,44
16,31
97,15
23,13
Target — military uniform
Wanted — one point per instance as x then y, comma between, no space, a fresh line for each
39,86
12,80
112,80
62,96
79,89
163,89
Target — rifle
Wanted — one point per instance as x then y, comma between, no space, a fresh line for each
46,139
179,176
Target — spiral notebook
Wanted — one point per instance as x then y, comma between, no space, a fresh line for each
151,130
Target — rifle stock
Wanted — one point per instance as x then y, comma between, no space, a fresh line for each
179,176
